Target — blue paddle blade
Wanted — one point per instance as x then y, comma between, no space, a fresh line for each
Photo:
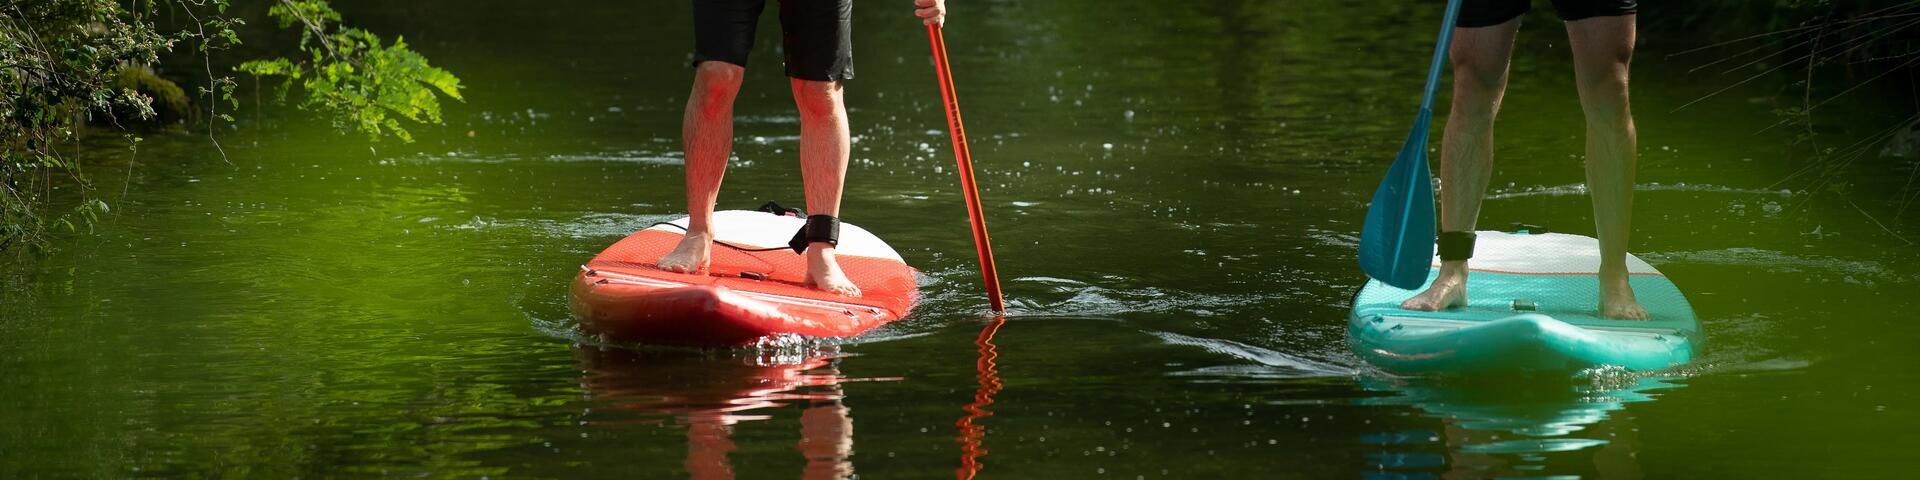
1396,242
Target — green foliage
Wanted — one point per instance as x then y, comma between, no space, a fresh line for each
64,63
364,84
169,102
60,62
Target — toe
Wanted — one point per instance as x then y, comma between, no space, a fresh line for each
1425,302
1630,312
677,267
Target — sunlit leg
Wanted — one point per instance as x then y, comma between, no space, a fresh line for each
709,440
826,438
1480,57
1602,49
824,146
707,136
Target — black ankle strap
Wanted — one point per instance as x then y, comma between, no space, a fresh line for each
776,209
1456,246
819,228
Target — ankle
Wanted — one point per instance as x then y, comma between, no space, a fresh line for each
1615,284
1613,272
820,250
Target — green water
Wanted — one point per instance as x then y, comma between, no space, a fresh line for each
1175,190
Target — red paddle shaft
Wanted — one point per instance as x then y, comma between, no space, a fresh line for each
972,192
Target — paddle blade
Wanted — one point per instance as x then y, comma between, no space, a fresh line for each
1396,242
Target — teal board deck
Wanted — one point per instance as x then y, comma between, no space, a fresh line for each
1532,307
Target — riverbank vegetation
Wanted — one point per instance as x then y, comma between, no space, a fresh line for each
70,65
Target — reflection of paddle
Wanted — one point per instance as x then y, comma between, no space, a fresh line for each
1396,243
971,436
967,187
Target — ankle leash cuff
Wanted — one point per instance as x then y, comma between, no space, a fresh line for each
1456,246
819,228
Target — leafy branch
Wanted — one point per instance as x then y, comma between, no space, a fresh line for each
363,83
67,63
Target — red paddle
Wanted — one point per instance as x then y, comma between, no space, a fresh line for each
980,243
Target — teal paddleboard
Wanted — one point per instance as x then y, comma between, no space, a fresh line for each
1532,307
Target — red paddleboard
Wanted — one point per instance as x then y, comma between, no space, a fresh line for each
743,295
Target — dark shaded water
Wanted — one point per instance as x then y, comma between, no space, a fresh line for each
1175,190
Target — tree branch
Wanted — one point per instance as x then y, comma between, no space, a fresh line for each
318,31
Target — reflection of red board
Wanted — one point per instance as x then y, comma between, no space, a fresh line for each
742,296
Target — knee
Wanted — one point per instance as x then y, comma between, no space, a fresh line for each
1478,86
1478,72
1601,67
1603,93
817,99
717,81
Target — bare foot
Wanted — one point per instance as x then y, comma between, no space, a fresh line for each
823,272
690,256
1449,290
1616,297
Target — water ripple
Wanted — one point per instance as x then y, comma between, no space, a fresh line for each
1581,189
1273,364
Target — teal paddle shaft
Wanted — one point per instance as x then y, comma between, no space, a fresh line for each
1439,56
1396,241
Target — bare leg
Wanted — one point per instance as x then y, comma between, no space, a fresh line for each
1480,57
824,146
1602,49
707,136
709,440
826,438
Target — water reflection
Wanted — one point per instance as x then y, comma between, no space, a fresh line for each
707,393
973,436
1515,427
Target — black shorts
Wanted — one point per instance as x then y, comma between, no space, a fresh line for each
817,34
1487,13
